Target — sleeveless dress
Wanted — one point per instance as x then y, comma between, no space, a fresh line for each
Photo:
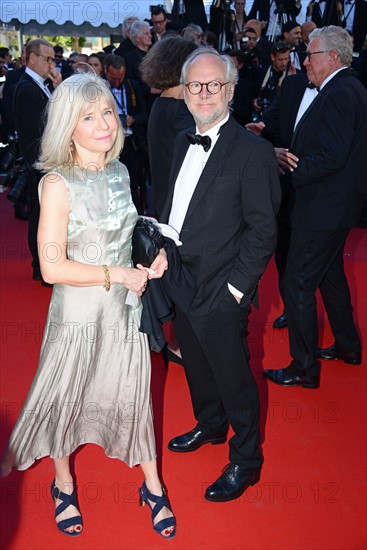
93,380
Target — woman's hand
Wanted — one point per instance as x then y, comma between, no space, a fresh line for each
134,279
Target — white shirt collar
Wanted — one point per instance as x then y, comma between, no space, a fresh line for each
331,76
38,78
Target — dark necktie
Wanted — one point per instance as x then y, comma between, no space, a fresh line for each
197,139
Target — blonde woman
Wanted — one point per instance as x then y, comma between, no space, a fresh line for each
92,351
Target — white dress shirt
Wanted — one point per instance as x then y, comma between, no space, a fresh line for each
189,175
187,180
310,95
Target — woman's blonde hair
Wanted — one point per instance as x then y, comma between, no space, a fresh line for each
70,100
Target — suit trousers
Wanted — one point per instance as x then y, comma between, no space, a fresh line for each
315,260
284,231
215,356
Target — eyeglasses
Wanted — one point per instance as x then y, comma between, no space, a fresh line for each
213,87
48,58
158,22
310,54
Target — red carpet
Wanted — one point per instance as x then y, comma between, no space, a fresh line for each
312,489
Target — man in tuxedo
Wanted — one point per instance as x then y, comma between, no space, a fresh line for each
325,12
223,201
133,115
277,125
329,180
292,36
30,100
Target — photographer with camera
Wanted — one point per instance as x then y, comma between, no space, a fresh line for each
133,115
268,81
250,55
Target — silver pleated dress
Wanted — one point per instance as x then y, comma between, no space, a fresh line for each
93,380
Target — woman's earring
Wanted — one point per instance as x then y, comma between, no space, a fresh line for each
71,150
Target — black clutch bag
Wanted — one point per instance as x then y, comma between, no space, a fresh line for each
147,240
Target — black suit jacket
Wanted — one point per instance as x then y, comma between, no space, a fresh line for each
229,232
330,140
29,103
280,117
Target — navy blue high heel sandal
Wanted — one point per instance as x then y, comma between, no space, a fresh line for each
164,525
67,500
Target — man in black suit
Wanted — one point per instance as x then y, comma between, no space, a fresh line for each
223,202
142,40
126,46
30,100
292,36
329,179
133,115
325,12
277,125
61,64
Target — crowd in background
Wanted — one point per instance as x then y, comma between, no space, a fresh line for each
264,38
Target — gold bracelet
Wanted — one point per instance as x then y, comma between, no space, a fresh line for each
107,280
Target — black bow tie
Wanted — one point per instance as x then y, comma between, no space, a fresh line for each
197,139
313,87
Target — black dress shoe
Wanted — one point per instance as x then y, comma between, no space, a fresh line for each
191,441
292,377
282,321
332,353
231,484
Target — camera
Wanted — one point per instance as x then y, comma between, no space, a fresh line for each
244,44
18,188
264,103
